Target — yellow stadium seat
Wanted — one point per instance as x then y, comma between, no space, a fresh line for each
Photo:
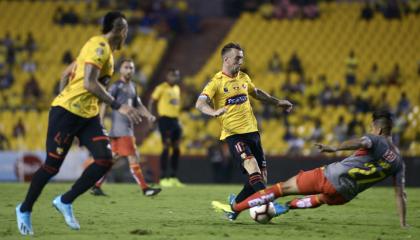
21,17
323,45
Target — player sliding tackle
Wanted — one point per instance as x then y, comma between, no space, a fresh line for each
375,159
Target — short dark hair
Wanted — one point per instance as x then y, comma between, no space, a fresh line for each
383,118
108,20
230,46
126,60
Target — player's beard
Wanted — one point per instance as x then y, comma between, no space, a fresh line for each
235,70
128,77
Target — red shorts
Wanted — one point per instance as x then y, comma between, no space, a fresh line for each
315,182
124,146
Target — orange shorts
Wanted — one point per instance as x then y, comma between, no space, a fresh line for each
315,182
124,146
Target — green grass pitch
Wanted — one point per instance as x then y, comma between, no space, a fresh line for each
185,213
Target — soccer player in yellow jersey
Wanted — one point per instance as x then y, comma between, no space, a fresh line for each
168,98
74,113
229,90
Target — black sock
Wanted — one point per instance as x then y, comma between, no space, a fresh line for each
164,162
174,161
89,177
39,180
256,181
246,191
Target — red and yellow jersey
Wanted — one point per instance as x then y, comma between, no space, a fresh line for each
74,97
233,93
168,100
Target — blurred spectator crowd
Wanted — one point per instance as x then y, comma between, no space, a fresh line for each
166,15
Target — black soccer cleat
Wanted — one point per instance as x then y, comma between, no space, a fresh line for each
96,191
149,192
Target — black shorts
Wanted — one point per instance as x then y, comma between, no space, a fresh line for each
243,146
170,129
63,126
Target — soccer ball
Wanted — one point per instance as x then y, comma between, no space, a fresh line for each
262,214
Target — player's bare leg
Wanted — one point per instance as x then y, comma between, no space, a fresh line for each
137,173
269,194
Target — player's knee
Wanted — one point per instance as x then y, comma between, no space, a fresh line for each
52,163
103,158
51,170
249,162
106,164
102,152
251,165
132,160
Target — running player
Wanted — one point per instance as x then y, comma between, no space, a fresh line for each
230,90
375,159
123,142
168,98
74,113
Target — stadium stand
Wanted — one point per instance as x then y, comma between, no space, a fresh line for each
322,46
50,41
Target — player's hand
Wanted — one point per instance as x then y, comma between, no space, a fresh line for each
151,118
285,104
219,111
132,113
325,148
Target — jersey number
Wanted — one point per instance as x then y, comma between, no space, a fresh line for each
372,172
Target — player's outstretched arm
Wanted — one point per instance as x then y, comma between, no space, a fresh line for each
66,75
93,86
401,198
353,144
203,106
400,195
267,98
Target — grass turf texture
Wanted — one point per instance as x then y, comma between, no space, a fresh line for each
185,213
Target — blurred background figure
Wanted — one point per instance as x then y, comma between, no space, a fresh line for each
221,161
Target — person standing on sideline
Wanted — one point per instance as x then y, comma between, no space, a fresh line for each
167,96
